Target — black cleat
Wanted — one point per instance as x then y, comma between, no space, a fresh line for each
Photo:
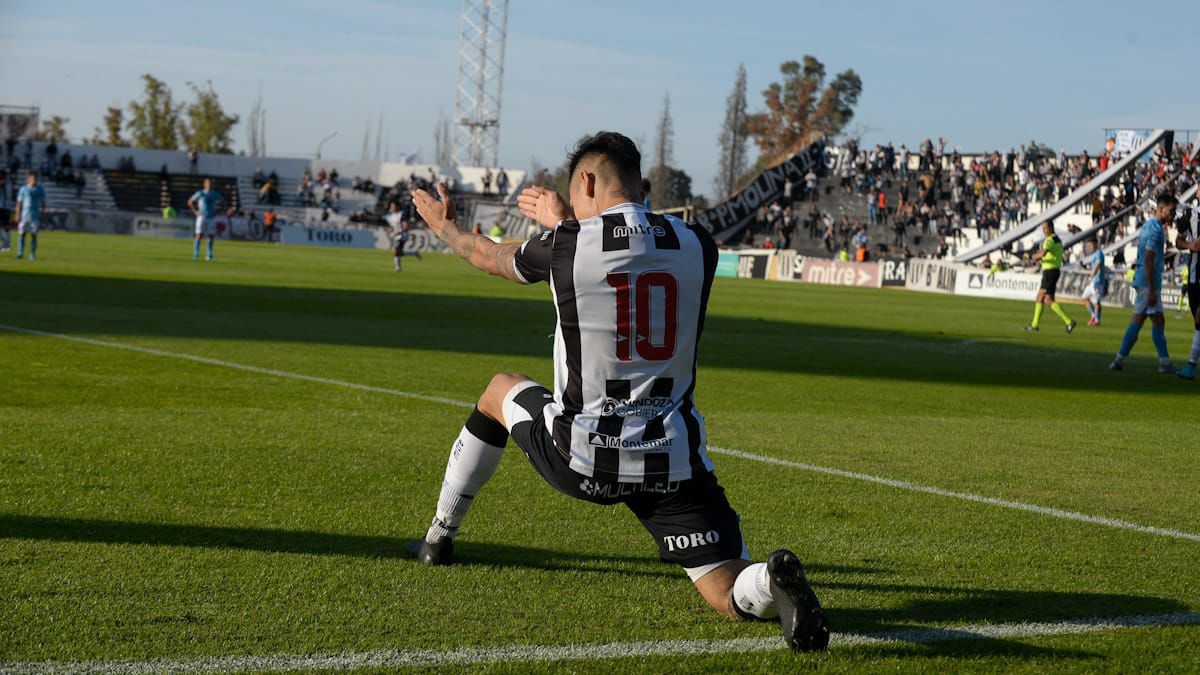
805,628
441,552
1071,327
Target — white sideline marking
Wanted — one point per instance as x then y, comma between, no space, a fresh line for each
890,482
542,653
980,499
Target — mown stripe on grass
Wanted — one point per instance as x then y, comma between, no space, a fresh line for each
543,653
979,499
854,475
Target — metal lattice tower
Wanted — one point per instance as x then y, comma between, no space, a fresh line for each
480,78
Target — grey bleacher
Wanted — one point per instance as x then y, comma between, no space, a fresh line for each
94,196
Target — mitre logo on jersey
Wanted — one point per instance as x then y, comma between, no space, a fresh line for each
603,440
638,228
650,406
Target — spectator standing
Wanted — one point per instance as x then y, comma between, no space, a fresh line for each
810,185
269,225
502,183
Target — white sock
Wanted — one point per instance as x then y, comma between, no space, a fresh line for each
1195,356
473,460
752,593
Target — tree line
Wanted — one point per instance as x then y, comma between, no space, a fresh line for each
797,110
156,121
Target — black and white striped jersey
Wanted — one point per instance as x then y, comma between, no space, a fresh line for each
1193,234
631,289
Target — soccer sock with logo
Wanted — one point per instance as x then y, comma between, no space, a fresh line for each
20,244
1062,314
1194,358
1158,333
473,460
751,594
1097,312
33,245
195,249
210,245
1130,339
1038,308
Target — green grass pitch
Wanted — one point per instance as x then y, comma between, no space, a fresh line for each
153,507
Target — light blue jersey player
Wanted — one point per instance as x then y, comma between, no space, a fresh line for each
1093,295
205,204
1147,281
31,200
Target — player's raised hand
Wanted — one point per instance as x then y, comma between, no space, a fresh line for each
543,206
438,215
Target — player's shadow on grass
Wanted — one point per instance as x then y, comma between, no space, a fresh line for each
302,542
520,326
956,605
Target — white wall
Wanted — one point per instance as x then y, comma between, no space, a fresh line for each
385,173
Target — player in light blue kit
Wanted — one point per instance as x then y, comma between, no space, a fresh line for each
205,204
31,199
1094,293
1152,248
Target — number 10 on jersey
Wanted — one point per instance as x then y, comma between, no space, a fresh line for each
634,310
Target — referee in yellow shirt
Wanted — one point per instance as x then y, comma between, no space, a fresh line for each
1051,257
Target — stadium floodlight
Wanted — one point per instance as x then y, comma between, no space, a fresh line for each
323,143
480,79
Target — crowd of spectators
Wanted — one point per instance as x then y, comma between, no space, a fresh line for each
934,193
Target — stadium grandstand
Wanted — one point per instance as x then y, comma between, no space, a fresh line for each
838,202
105,189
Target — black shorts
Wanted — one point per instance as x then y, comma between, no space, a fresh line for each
1050,280
691,520
1193,293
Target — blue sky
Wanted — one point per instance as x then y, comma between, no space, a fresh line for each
985,75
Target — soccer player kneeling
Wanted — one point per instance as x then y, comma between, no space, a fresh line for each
621,427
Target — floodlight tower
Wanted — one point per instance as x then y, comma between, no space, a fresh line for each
480,77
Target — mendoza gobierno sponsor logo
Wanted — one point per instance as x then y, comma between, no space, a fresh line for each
647,406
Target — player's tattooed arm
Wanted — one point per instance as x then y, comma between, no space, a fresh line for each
479,251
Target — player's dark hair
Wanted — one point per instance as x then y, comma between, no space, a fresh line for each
616,148
1168,199
31,172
